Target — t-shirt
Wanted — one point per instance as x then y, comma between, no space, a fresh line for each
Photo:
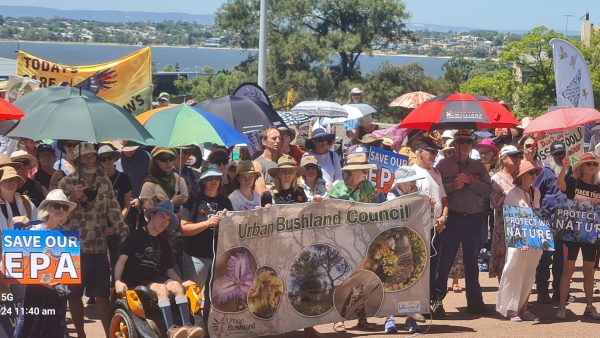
287,196
136,167
149,258
121,185
201,244
239,202
432,185
33,190
332,171
581,191
42,177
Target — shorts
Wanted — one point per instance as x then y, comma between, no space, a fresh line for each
95,277
571,251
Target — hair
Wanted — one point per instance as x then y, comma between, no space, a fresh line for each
319,172
264,132
521,142
155,171
236,182
201,190
500,163
279,186
577,174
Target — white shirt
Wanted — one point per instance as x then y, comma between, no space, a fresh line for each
239,202
331,171
432,185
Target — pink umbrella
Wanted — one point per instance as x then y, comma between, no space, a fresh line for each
411,100
562,119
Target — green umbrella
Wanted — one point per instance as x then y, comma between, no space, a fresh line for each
36,98
80,118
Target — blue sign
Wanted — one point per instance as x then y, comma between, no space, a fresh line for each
528,227
387,162
577,221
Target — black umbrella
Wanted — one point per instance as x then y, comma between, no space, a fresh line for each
245,114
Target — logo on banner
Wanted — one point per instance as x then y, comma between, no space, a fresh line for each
572,92
464,115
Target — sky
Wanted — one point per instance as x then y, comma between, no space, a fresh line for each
484,14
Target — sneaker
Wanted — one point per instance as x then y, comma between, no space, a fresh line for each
590,311
177,332
514,317
561,313
411,325
437,309
390,325
418,317
194,332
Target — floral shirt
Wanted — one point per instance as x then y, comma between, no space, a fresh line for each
362,193
94,214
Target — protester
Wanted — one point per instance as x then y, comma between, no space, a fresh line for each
519,270
64,165
145,260
488,153
582,184
365,126
467,183
526,145
245,196
220,157
164,99
162,182
287,136
45,156
32,189
351,126
320,145
53,212
28,146
17,210
135,163
312,181
189,175
413,137
271,142
285,178
502,183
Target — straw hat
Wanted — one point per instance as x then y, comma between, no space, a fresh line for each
83,148
357,161
159,150
10,172
56,196
246,166
524,168
585,157
6,161
449,145
23,155
369,139
286,162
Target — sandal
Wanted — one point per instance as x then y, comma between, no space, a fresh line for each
339,327
365,325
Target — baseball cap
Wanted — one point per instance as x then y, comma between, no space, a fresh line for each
509,150
557,147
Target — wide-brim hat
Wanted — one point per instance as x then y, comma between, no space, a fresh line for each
83,148
291,131
526,167
406,174
488,144
106,149
365,120
166,207
125,146
321,132
449,145
56,196
358,161
6,161
585,157
10,172
210,170
23,155
40,148
159,150
286,162
356,90
246,166
369,139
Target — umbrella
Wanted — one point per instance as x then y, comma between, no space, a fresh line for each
411,100
182,125
459,111
293,119
245,114
80,118
562,119
36,98
358,110
320,108
9,111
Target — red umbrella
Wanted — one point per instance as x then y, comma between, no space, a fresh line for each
8,111
411,100
459,111
562,119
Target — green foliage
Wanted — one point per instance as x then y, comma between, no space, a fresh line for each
457,70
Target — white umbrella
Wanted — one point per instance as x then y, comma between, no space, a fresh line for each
320,109
358,110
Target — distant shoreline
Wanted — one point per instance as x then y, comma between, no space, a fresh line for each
375,53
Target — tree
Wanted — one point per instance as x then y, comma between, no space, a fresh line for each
171,68
456,70
332,262
500,86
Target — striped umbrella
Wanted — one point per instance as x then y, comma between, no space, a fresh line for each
320,108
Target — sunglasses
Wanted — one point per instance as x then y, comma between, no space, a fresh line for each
58,206
464,141
105,158
591,164
166,159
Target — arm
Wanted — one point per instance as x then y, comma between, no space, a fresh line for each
190,229
120,287
561,182
260,185
115,218
481,182
127,207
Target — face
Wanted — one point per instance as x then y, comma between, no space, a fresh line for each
589,168
356,98
160,221
463,147
427,157
28,144
528,146
22,169
558,157
486,155
163,103
10,184
88,161
285,141
359,175
69,146
211,184
185,156
222,162
529,178
287,176
165,162
246,180
311,171
321,145
449,153
58,211
272,140
46,158
107,161
513,161
408,187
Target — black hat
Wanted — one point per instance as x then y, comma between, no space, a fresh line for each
427,144
43,147
557,147
412,134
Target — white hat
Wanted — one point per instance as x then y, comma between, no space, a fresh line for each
356,90
510,150
449,133
406,174
106,149
55,196
22,154
164,96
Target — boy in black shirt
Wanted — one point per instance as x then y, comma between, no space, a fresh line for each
146,260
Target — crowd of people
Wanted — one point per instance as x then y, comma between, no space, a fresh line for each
150,216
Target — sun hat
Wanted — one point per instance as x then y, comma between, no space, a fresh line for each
557,147
356,90
488,144
308,159
449,145
387,141
357,161
369,139
406,174
43,147
365,120
246,166
584,158
10,172
510,150
125,145
159,150
163,96
286,162
321,132
5,161
83,148
463,133
482,134
291,131
23,155
526,167
449,133
165,206
210,170
57,196
106,149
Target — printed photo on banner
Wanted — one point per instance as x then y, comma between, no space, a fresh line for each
576,221
387,162
572,139
41,257
528,227
19,86
290,266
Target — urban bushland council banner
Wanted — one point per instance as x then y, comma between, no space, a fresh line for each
124,82
287,267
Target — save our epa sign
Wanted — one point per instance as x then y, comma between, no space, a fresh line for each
41,257
387,162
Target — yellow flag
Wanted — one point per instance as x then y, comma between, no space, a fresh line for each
125,82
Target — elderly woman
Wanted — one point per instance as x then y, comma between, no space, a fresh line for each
488,153
502,183
582,185
285,178
65,164
17,209
319,145
53,212
162,182
519,270
245,197
312,181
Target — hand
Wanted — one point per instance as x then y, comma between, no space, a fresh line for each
524,248
120,287
21,219
109,231
467,179
77,192
178,199
213,221
566,162
457,185
317,198
135,203
49,285
432,202
440,224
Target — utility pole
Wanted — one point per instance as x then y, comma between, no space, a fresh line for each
262,45
567,26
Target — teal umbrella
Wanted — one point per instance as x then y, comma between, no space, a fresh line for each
80,118
36,98
183,125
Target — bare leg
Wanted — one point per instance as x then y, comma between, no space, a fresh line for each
565,281
588,281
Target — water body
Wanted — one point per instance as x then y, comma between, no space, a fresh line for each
189,59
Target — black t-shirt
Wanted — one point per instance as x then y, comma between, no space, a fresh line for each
148,260
42,177
121,185
287,196
33,190
202,207
581,191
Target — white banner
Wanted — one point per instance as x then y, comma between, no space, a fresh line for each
573,83
572,139
288,267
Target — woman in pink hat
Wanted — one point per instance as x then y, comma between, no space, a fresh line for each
488,153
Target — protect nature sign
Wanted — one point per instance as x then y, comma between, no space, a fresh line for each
527,227
287,267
